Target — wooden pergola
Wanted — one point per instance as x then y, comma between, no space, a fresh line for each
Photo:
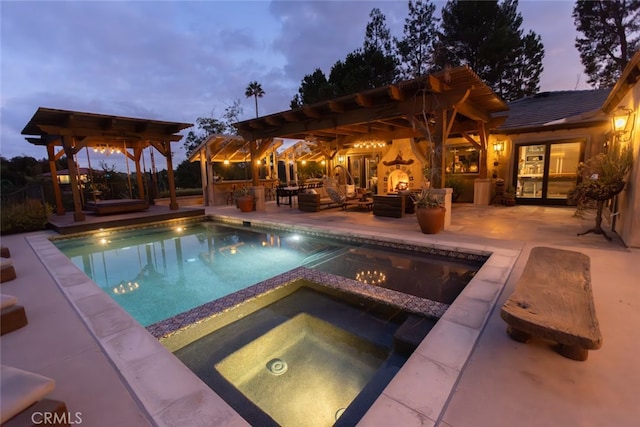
434,107
74,130
219,148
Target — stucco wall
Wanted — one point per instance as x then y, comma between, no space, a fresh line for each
628,221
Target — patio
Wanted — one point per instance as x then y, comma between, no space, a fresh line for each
502,382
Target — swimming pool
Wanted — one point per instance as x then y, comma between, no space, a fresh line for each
422,386
157,272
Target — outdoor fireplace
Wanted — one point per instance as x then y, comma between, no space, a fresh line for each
401,167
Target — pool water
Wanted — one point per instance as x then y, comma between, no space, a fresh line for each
157,272
304,372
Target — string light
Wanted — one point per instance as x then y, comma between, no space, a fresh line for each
370,144
106,149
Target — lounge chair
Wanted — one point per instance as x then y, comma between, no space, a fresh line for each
13,315
7,271
22,399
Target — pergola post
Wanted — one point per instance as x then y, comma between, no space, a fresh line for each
203,178
287,173
137,154
295,168
54,178
255,171
211,196
173,204
67,144
274,164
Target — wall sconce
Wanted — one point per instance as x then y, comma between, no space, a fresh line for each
622,122
341,159
498,147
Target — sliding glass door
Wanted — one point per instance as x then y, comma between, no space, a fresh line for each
546,172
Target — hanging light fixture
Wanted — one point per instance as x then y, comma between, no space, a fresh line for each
106,149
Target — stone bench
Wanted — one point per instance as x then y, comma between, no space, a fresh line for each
553,300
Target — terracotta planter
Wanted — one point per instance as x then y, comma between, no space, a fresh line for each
430,220
245,204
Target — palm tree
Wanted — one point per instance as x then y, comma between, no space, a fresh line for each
254,89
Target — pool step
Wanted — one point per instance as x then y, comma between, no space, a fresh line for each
411,333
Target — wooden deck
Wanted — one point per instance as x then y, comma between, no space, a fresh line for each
64,224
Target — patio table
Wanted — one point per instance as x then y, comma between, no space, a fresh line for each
286,192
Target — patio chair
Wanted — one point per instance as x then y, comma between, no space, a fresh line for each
12,315
22,398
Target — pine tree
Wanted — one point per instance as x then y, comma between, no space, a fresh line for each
415,49
314,88
377,34
486,36
611,32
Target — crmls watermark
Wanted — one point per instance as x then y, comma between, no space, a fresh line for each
53,418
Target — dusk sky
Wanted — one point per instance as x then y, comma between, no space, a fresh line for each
180,60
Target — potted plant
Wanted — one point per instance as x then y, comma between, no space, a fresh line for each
244,199
603,177
430,211
509,196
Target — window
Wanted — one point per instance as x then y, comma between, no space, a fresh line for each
462,159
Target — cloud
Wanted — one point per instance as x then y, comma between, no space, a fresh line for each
181,60
316,34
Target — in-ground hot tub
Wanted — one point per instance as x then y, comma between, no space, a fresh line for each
305,356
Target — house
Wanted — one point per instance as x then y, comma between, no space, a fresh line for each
453,123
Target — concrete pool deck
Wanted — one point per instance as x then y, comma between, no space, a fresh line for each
501,383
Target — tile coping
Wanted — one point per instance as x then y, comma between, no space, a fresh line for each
419,391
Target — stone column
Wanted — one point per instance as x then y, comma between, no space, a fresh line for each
482,191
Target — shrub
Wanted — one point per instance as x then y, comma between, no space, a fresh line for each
30,215
455,182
